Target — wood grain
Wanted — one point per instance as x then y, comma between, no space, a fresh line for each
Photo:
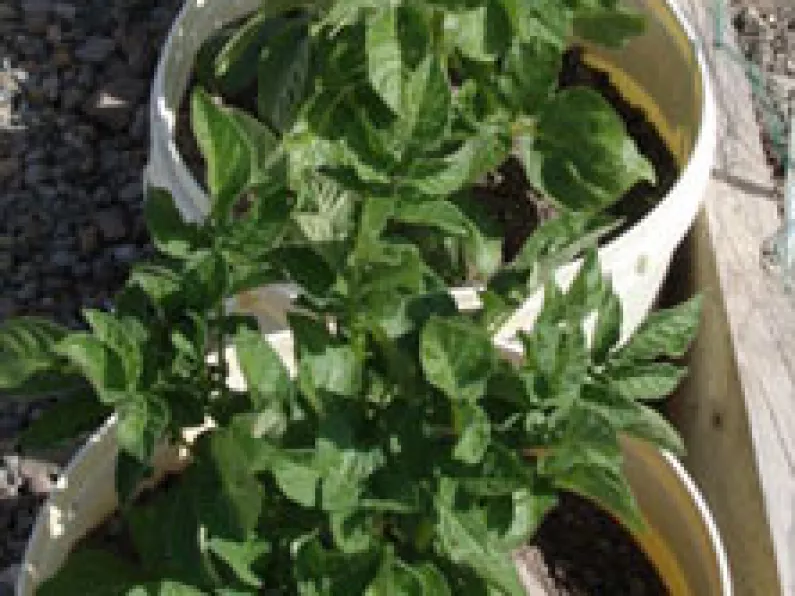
737,410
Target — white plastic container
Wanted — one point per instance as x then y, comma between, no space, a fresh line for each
662,71
681,539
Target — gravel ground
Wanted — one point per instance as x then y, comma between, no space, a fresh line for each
766,35
74,84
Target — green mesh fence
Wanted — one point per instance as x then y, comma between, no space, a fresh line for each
774,117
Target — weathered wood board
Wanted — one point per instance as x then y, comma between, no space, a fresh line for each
737,410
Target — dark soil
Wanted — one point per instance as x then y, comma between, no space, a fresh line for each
579,550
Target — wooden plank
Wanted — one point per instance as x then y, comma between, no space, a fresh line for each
737,410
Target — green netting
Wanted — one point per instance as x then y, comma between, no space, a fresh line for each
773,116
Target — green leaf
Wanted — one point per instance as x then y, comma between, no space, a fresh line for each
240,556
425,107
396,577
266,376
322,572
647,381
525,87
324,363
170,233
541,19
468,30
165,532
607,331
267,165
344,466
65,420
223,471
206,280
293,470
307,268
582,156
125,336
666,332
282,74
650,426
101,366
160,283
27,349
441,214
384,59
353,531
475,433
457,358
612,27
480,153
465,539
141,425
224,150
92,573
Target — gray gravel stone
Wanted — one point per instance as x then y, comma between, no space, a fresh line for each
113,103
111,223
95,49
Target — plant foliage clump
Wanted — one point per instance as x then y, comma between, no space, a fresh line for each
394,449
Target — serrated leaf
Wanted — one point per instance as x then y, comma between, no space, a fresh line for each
607,330
525,88
170,233
125,336
582,156
479,154
293,470
541,19
156,281
266,376
440,214
240,556
474,434
384,59
612,27
101,366
425,105
225,151
457,358
647,381
206,280
27,349
267,165
321,572
223,471
324,363
468,30
464,538
141,424
344,469
282,73
666,332
92,572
